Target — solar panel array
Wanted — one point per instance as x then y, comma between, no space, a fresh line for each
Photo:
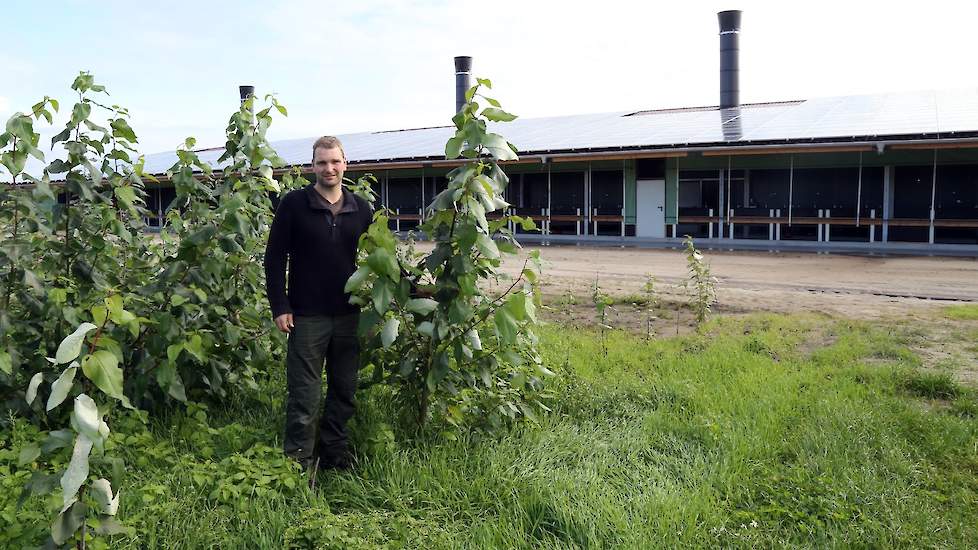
930,114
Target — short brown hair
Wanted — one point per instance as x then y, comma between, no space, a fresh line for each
328,142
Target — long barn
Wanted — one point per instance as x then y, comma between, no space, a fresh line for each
875,169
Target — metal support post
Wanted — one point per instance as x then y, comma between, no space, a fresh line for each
872,225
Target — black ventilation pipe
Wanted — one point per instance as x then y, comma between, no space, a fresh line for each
463,79
245,92
729,58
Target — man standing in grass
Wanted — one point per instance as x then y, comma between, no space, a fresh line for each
314,238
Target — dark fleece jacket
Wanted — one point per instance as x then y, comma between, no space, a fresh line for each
320,251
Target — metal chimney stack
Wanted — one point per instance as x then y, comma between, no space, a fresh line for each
463,79
245,92
729,58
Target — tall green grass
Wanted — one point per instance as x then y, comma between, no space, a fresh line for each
761,431
966,312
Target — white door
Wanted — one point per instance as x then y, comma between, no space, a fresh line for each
650,213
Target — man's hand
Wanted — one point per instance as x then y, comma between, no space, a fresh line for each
284,323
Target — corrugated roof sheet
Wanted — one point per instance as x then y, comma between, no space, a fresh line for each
892,115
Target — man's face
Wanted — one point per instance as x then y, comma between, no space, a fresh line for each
329,166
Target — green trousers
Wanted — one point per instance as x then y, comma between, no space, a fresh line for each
313,340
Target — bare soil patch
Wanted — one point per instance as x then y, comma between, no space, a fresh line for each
909,292
847,286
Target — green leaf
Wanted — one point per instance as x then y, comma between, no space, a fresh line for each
70,347
80,112
382,262
177,390
516,304
20,125
389,333
426,328
6,365
121,129
102,492
32,387
194,347
126,194
356,280
114,303
14,161
506,328
35,152
173,351
485,82
93,172
95,127
83,82
85,417
487,246
57,439
382,295
453,148
99,314
109,526
77,472
68,522
102,367
473,338
498,115
169,379
61,387
421,306
498,147
64,135
28,454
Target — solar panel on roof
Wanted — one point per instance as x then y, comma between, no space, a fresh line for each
894,114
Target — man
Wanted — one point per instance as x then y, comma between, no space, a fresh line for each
315,234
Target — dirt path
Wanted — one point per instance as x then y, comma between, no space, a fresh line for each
851,286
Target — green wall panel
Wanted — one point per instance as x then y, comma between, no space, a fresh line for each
673,165
630,191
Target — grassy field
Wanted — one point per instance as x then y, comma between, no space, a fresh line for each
759,430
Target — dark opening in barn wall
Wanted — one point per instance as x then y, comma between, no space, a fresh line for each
699,195
530,193
956,202
158,201
769,189
404,196
911,201
566,199
608,199
650,169
527,193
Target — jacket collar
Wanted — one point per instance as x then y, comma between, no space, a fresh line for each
349,199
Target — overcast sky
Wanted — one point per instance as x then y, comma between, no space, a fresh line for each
362,65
